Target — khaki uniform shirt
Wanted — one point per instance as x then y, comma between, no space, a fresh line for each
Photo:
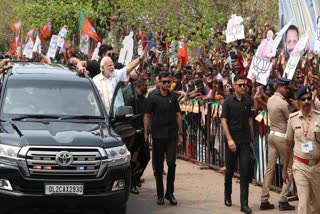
278,111
297,127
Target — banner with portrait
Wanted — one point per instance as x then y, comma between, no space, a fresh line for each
303,14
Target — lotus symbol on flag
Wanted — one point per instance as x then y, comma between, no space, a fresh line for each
293,62
260,66
92,31
233,32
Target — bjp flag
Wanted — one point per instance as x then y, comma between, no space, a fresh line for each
46,30
182,52
86,28
16,26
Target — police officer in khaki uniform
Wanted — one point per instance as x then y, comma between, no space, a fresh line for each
278,111
303,137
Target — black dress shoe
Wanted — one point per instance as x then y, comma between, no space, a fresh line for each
266,206
228,202
246,209
134,190
160,201
285,206
171,199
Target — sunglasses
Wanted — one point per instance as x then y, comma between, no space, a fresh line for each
242,85
306,98
166,81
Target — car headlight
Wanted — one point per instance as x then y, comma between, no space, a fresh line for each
9,151
118,155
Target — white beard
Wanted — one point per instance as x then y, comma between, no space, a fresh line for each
109,73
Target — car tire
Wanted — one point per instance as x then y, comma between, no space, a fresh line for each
122,209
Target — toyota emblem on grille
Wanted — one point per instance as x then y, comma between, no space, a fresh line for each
64,158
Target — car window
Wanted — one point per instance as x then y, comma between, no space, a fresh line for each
124,97
118,101
50,97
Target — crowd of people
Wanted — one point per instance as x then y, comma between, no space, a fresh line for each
220,74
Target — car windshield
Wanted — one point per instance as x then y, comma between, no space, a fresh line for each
49,97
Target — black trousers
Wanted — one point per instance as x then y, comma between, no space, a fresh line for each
138,166
143,158
159,148
243,155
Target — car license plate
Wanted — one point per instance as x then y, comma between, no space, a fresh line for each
63,189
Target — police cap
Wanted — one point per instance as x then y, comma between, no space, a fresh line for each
303,90
283,81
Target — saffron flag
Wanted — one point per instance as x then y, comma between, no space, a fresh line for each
182,52
46,30
86,28
15,43
16,26
29,34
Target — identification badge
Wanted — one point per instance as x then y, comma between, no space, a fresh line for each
310,145
307,147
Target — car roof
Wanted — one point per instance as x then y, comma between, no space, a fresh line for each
44,71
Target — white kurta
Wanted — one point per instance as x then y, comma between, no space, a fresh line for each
106,86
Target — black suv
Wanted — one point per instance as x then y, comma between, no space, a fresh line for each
56,144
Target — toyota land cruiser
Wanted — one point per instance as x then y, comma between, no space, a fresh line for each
56,144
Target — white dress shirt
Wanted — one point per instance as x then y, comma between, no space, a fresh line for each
106,86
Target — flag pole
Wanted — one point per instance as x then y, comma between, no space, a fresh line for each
23,3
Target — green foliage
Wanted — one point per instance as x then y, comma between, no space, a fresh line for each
7,17
59,12
197,20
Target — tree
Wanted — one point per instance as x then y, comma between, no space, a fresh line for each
198,20
7,18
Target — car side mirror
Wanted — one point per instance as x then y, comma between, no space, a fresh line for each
123,112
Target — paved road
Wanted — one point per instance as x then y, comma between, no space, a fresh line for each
197,191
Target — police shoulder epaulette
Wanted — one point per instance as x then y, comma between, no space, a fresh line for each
315,111
293,114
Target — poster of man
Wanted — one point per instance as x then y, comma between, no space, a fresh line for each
291,38
294,49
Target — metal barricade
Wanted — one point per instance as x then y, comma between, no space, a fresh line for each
205,142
